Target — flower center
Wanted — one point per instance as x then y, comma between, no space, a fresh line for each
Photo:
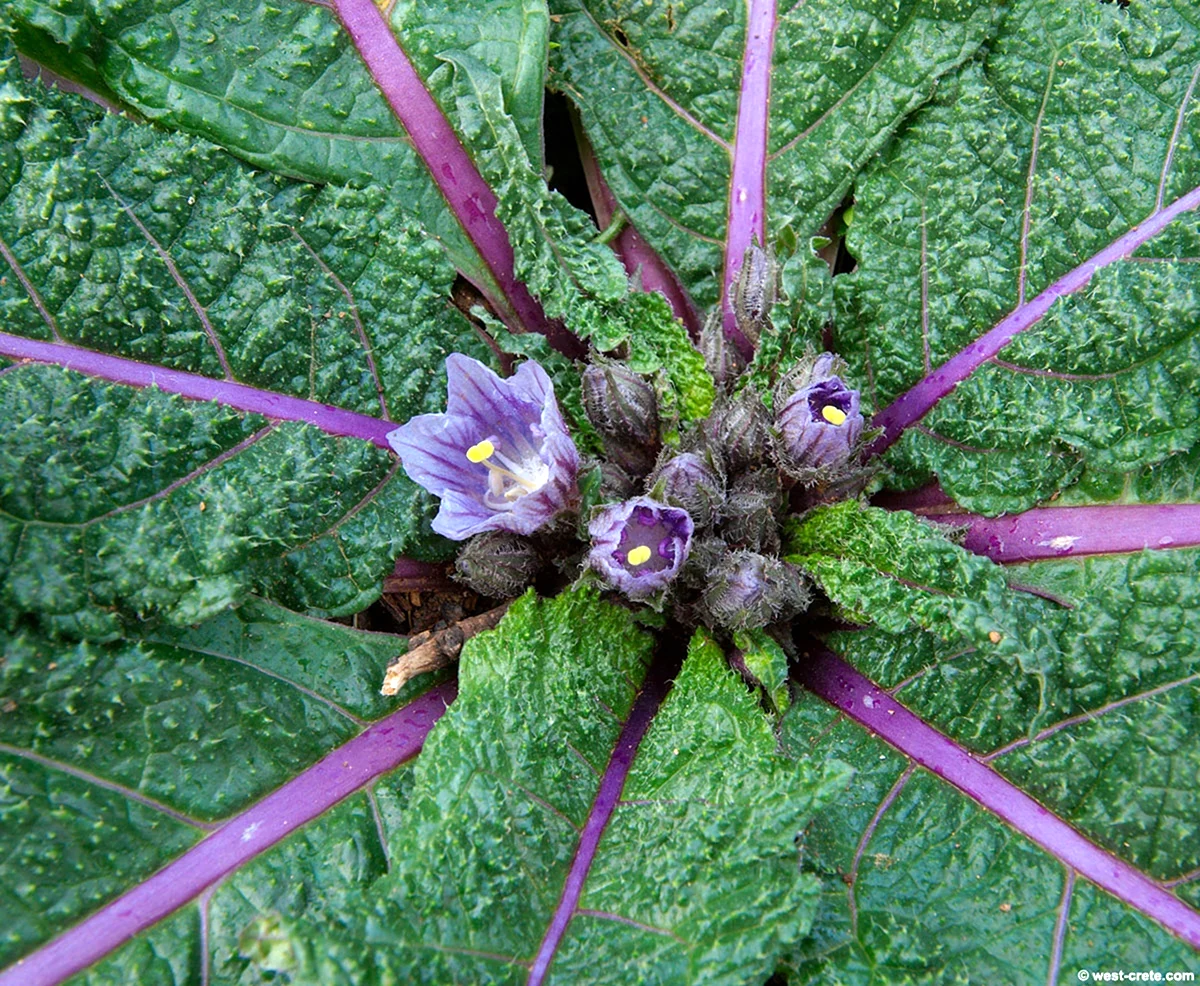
507,480
639,555
830,401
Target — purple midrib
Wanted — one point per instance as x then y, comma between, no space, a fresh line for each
747,213
839,684
1070,532
468,196
119,369
608,794
914,403
631,247
349,768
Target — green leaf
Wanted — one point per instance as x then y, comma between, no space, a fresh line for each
696,874
165,250
768,663
898,572
659,341
577,279
483,62
1080,123
934,889
319,870
281,86
115,758
278,85
1174,480
507,39
657,89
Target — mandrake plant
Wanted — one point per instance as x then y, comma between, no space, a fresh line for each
835,454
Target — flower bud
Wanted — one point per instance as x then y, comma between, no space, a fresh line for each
721,357
742,431
689,482
754,292
640,545
749,516
818,420
497,564
615,482
748,590
623,407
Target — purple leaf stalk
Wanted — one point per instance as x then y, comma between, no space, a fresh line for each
859,698
467,194
748,180
499,458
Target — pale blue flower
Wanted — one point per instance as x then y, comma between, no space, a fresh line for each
499,458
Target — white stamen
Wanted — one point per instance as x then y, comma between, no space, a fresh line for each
509,480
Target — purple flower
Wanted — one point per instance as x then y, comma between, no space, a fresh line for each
747,590
639,546
820,423
690,482
500,458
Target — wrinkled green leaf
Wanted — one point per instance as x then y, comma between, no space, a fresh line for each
577,279
117,504
115,758
936,890
696,875
959,222
164,249
768,664
897,572
657,88
282,87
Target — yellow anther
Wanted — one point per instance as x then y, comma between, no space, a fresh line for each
834,415
481,451
639,555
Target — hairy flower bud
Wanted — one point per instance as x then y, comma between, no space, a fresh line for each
497,564
749,590
749,516
690,482
721,357
615,482
818,419
623,407
742,431
754,292
640,545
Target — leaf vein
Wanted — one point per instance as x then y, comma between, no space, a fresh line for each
88,777
1089,716
199,310
31,290
667,101
359,328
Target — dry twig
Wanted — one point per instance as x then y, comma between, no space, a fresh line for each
436,649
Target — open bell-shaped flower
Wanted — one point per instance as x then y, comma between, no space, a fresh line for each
499,458
818,419
640,545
